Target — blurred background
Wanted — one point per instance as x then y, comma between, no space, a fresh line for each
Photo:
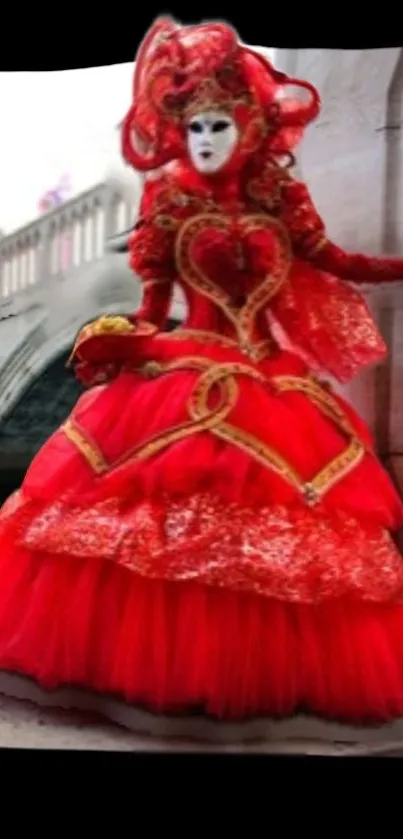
67,205
64,191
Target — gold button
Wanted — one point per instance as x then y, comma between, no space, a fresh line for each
311,495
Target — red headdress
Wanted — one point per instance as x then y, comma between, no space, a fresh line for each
184,69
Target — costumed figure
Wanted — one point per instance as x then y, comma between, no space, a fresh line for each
210,530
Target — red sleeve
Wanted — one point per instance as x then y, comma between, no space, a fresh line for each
309,240
151,256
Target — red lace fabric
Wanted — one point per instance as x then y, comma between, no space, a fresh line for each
328,323
294,555
323,316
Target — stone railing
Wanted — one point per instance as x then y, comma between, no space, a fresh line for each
60,242
59,272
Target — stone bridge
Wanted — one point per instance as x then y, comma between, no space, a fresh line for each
67,267
57,273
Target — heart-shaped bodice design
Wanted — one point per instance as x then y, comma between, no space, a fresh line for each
239,264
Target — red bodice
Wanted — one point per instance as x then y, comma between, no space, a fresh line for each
228,254
230,265
252,251
253,261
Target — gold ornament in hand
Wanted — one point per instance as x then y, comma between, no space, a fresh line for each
111,324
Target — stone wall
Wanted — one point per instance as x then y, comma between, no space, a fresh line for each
352,159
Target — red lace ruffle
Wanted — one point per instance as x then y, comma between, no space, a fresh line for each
298,554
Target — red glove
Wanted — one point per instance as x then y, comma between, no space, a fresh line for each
308,235
355,266
107,346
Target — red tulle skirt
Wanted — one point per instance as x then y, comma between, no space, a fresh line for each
196,577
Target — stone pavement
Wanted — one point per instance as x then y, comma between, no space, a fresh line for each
24,725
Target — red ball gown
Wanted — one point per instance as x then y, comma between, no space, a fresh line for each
210,529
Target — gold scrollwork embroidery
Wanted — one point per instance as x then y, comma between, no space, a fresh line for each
242,319
258,351
338,468
266,189
272,284
87,448
317,247
156,282
198,406
204,418
201,335
167,222
343,463
317,394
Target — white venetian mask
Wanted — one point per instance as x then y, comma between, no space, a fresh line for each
211,140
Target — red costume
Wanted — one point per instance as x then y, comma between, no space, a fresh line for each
211,528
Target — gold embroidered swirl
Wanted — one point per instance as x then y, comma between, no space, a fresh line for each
87,448
243,318
202,417
258,351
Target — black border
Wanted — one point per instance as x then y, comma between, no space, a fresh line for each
180,790
75,36
92,763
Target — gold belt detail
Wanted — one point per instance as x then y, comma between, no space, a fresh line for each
202,417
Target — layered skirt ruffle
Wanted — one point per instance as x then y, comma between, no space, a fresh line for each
195,576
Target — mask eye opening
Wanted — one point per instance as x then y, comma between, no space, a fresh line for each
219,126
195,127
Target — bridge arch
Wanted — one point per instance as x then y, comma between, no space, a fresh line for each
39,411
42,401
